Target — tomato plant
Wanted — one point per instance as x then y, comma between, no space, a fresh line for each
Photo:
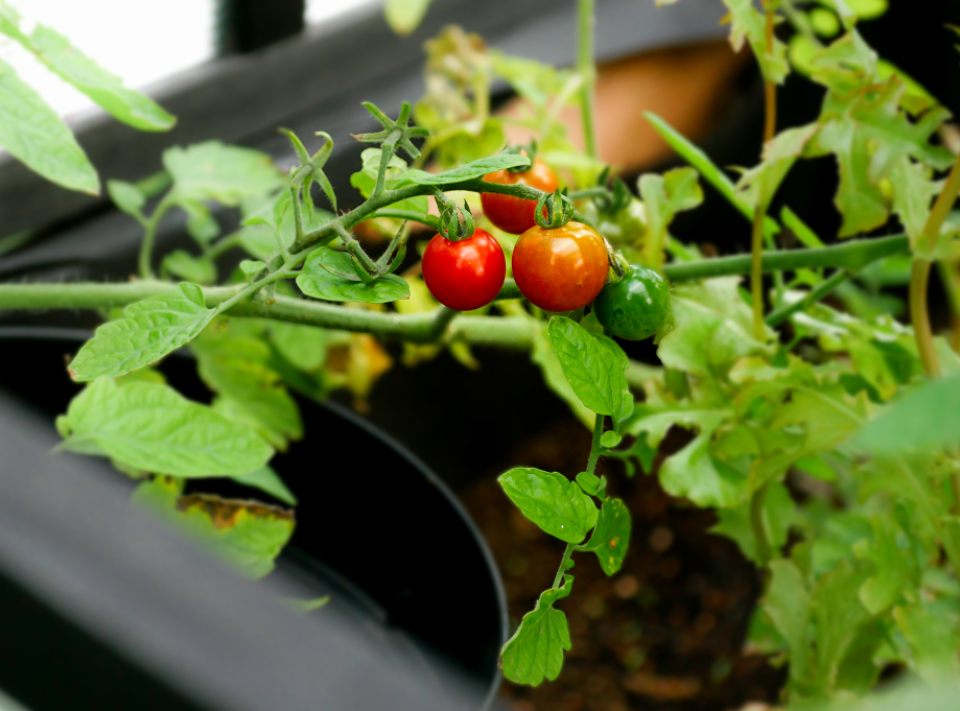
823,434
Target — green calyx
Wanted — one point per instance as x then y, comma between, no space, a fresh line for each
636,306
553,211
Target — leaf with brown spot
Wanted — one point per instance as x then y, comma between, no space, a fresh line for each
611,537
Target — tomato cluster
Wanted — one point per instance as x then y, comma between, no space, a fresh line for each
557,269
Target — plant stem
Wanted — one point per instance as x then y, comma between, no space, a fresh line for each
149,237
430,220
760,214
764,550
756,274
595,444
563,565
588,73
920,318
920,275
852,255
951,283
780,315
591,465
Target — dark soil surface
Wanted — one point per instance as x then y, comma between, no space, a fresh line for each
664,634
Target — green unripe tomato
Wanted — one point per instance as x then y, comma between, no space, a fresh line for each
637,306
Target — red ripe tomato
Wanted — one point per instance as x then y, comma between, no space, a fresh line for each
513,214
560,269
467,274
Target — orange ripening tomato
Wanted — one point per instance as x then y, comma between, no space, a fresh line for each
560,269
513,214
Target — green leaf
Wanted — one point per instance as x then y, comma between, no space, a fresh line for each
748,23
235,367
712,329
896,570
397,175
151,427
73,66
787,604
542,354
838,615
319,283
470,171
663,197
126,196
36,135
246,534
147,331
404,16
926,418
932,636
214,171
610,439
913,192
268,481
594,366
304,346
264,215
779,515
694,472
590,483
611,537
184,265
535,651
553,502
201,224
863,124
760,184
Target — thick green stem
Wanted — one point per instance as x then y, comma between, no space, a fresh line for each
588,73
852,255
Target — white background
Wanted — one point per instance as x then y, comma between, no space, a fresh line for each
141,41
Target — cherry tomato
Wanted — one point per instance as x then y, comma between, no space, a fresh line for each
466,274
560,269
513,214
635,307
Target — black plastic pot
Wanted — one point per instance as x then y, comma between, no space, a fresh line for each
376,530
